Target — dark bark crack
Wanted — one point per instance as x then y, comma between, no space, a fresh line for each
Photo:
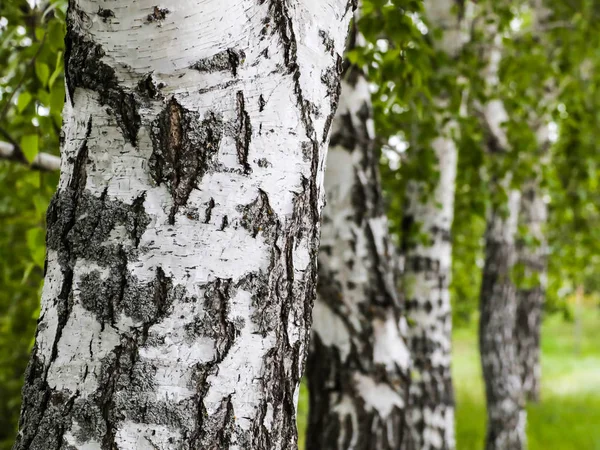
185,146
244,133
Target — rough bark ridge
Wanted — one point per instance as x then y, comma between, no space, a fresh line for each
182,240
498,303
498,309
358,364
530,299
427,271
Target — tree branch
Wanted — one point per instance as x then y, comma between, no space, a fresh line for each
43,161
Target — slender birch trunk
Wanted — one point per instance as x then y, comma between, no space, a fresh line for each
530,298
498,303
182,241
498,309
533,218
358,365
427,269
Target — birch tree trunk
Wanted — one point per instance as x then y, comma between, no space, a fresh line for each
498,309
182,241
533,217
358,365
498,303
532,259
427,269
530,298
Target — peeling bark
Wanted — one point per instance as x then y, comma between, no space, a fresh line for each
358,365
429,211
182,240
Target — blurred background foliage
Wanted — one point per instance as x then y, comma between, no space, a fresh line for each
31,100
407,73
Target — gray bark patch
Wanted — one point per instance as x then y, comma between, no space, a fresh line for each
258,216
229,59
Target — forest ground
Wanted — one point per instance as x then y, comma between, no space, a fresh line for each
567,417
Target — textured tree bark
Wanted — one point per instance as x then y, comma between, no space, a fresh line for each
533,218
358,364
530,299
425,284
498,308
498,303
532,258
428,265
182,241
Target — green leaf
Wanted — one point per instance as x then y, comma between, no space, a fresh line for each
43,72
57,71
23,101
39,33
36,243
29,145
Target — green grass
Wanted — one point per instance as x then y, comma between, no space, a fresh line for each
567,418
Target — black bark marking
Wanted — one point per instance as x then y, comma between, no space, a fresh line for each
243,133
105,14
184,149
224,223
84,68
157,15
263,163
261,103
148,88
327,42
209,208
229,59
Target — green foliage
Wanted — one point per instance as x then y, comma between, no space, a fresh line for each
31,101
547,72
24,197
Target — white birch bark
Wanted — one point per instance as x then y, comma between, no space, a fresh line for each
498,303
358,365
428,265
182,241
